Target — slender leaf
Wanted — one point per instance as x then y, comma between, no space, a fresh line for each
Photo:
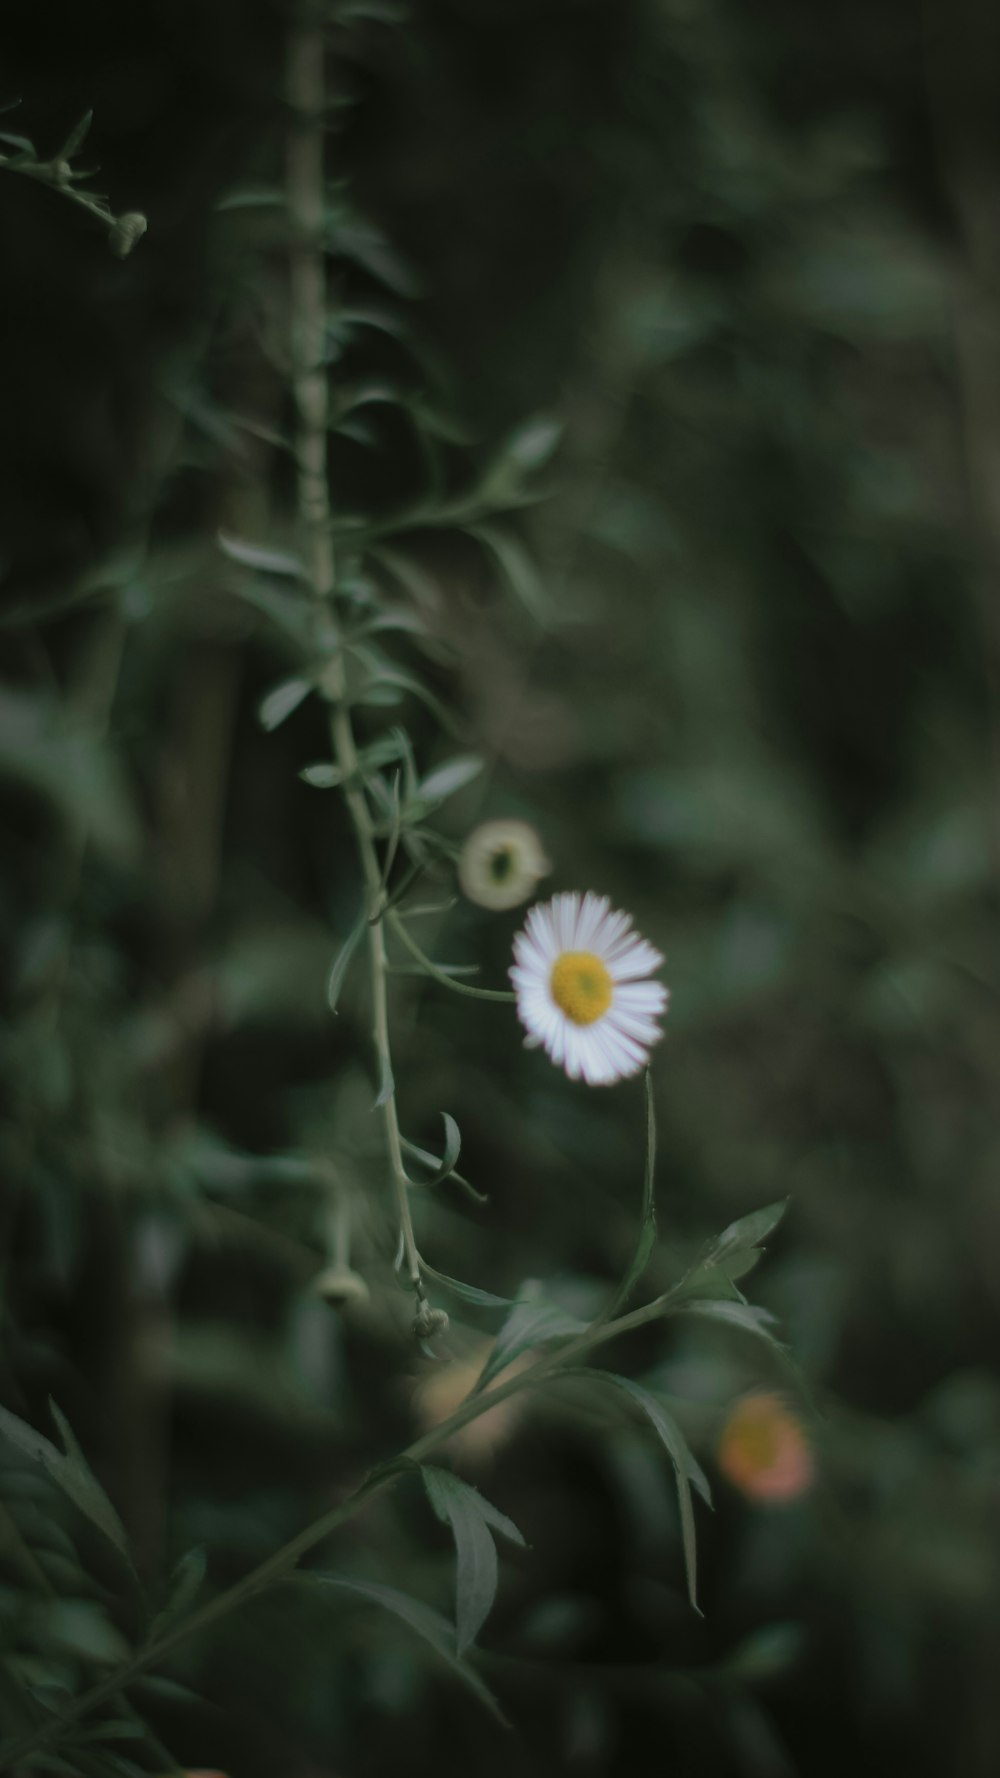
428,1624
278,705
516,566
322,776
531,1322
473,1521
449,778
468,1293
264,561
342,961
686,1467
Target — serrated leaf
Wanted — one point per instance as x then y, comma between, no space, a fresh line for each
341,963
279,703
531,1323
258,557
322,776
70,1472
686,1467
449,778
428,1624
746,1234
473,1521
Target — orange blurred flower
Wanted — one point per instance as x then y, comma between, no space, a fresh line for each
439,1391
763,1449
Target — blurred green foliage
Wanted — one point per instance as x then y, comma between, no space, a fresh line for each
735,254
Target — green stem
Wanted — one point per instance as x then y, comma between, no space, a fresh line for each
439,975
306,202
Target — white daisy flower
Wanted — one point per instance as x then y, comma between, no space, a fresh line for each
501,862
581,976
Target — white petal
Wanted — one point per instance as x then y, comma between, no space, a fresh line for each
630,961
641,997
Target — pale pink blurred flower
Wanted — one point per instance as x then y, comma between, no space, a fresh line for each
440,1390
763,1449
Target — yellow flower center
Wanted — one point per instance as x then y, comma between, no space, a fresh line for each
581,986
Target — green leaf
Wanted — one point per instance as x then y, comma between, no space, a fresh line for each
341,963
264,561
532,443
734,1253
447,779
70,1472
467,1293
428,1624
76,138
278,705
746,1235
686,1467
531,1323
473,1521
515,565
322,776
185,1585
452,1150
744,1316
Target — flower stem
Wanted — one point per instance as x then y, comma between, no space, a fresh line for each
306,187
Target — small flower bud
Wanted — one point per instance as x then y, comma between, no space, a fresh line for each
61,171
338,1286
427,1322
126,232
500,863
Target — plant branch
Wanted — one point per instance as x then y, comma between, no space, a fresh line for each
288,1556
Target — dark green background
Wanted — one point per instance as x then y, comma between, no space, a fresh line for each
748,255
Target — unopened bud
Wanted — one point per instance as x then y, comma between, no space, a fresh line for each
126,232
61,171
427,1322
338,1286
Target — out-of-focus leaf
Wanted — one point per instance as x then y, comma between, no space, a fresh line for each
260,558
445,780
428,1624
279,704
515,564
341,963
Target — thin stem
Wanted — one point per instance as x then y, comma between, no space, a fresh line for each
439,975
306,200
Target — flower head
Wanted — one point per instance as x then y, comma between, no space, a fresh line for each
500,863
763,1449
581,975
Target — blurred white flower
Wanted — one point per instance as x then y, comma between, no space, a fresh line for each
583,993
500,863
